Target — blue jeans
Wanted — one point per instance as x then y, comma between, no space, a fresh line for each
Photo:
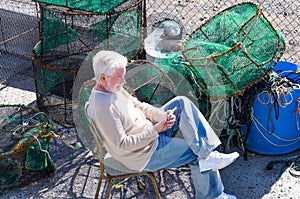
198,140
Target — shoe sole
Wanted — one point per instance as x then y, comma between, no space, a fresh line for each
225,165
221,166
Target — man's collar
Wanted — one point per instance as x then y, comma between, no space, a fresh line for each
103,92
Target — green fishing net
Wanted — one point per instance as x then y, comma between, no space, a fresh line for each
24,145
82,123
233,50
184,79
149,83
96,6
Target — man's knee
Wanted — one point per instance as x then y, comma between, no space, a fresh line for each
180,101
183,99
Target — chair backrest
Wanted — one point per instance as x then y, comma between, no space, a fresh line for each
86,132
100,150
107,162
86,128
90,135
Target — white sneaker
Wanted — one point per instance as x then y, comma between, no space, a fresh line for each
226,196
215,161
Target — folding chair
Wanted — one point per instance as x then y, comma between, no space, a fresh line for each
110,168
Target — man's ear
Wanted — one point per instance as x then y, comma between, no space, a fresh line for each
102,77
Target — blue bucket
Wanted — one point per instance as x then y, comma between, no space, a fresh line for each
274,131
288,70
284,68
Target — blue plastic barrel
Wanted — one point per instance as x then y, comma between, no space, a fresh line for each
274,131
284,68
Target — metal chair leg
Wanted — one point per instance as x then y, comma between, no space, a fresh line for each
98,187
154,183
109,187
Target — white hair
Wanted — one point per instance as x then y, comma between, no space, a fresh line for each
107,62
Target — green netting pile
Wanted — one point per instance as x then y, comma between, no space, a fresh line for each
69,30
184,80
233,50
24,146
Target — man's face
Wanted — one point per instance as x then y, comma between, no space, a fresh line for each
116,81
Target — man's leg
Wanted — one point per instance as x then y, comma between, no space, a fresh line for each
195,129
173,153
208,184
198,134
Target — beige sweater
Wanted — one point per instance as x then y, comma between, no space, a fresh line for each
126,126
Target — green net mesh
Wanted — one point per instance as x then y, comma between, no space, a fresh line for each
233,50
24,146
149,83
124,34
184,80
96,6
69,31
82,123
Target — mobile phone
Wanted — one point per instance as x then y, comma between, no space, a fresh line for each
171,112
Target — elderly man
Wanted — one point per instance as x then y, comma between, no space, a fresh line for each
140,135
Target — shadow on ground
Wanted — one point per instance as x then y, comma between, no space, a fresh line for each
77,176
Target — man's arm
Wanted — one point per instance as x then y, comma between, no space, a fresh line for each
111,126
151,112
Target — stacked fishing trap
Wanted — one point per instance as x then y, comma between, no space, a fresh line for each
233,50
69,30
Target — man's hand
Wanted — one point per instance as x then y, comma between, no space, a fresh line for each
167,122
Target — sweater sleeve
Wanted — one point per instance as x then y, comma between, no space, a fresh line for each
135,137
151,112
